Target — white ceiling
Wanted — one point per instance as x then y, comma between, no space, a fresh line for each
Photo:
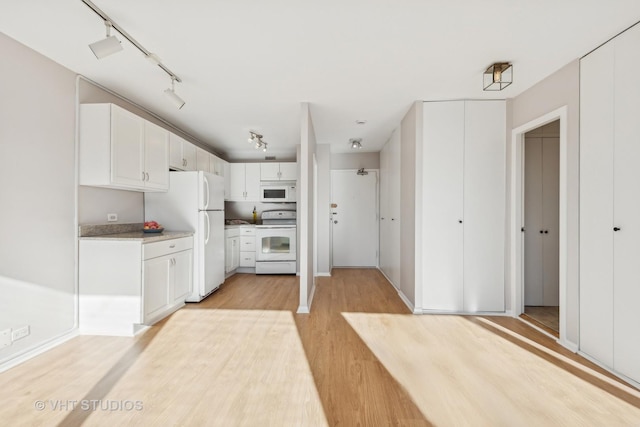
248,64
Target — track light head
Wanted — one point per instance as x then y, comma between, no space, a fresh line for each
355,143
106,46
257,139
171,94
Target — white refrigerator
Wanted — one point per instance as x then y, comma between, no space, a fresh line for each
195,201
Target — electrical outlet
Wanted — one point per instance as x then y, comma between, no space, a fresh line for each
19,333
5,338
112,217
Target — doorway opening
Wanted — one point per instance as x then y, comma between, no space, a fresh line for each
517,228
541,226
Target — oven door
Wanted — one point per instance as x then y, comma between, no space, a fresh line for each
276,243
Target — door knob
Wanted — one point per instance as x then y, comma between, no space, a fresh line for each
335,222
616,228
541,231
460,221
546,231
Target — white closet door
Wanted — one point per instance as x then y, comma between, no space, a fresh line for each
394,200
626,292
551,220
533,222
596,204
484,205
443,192
384,260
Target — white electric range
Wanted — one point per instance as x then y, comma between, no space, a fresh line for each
276,242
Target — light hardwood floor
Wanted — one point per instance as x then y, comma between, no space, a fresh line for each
243,357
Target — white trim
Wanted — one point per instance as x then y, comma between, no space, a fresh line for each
324,274
474,314
404,299
608,369
388,279
516,269
46,346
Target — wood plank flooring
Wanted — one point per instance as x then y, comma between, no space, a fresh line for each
545,317
359,358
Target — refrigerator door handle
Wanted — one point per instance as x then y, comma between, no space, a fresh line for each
207,194
208,224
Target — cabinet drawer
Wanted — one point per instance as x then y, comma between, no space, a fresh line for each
247,259
231,232
247,231
165,247
247,243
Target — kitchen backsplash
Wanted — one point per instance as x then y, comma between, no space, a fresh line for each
244,210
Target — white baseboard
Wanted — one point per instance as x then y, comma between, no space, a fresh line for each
46,346
608,369
323,275
571,346
407,302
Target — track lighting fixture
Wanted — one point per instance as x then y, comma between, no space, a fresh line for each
171,94
111,45
106,46
355,143
256,138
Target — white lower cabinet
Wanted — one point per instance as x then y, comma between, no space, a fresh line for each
125,285
232,249
248,246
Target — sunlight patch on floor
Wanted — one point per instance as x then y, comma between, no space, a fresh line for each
459,373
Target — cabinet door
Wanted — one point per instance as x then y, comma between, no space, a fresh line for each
235,259
252,182
228,253
127,148
176,159
215,165
288,171
484,205
227,179
596,203
189,154
442,198
182,275
155,287
237,182
626,289
270,171
202,160
156,157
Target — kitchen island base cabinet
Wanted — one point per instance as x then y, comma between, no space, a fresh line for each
125,286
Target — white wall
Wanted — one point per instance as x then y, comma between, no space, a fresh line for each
410,197
306,210
559,89
37,196
355,160
323,211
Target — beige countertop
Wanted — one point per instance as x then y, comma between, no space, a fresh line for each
139,235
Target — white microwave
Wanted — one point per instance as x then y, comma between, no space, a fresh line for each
278,192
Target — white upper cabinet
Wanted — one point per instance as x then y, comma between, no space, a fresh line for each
244,182
279,171
120,150
182,154
202,160
216,165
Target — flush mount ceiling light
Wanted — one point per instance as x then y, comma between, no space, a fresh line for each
171,94
355,143
106,46
498,76
112,45
256,138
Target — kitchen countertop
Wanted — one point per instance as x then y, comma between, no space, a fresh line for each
139,235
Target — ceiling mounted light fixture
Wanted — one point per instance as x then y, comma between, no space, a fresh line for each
256,138
355,143
171,94
498,76
106,46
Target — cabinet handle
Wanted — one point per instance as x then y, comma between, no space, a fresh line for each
143,175
393,219
460,221
616,228
172,246
382,218
147,176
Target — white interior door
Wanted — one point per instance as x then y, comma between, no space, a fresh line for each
551,221
533,234
355,218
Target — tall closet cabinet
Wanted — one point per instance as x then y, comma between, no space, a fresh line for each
390,209
610,204
464,158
